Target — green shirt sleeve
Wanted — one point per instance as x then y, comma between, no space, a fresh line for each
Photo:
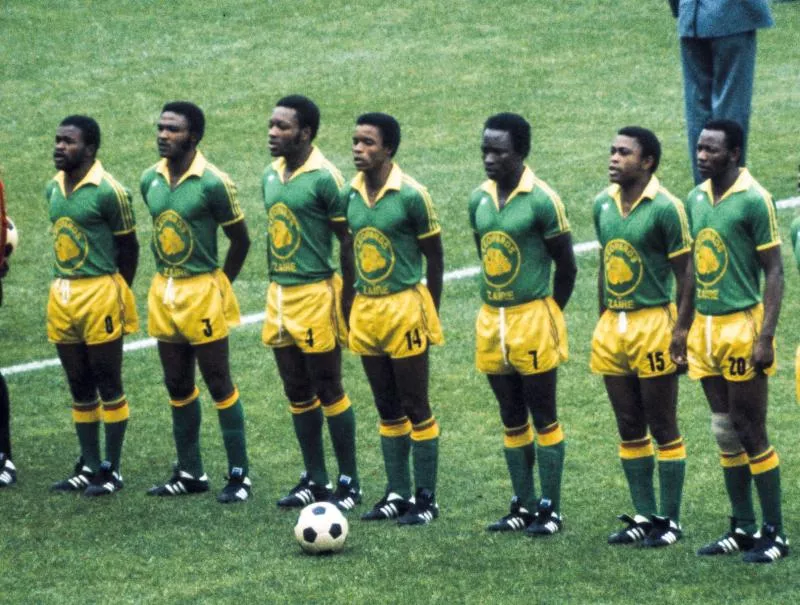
422,214
332,196
223,200
117,209
763,221
551,215
675,229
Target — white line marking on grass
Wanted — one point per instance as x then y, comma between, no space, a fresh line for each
147,343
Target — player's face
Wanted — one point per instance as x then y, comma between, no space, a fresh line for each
500,160
369,154
70,152
174,140
625,162
285,135
713,156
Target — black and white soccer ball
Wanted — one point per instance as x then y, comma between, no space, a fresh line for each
321,528
12,236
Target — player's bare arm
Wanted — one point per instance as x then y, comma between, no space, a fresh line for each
601,305
772,265
127,255
432,248
347,264
561,251
683,269
240,244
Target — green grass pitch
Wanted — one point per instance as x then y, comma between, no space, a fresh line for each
578,69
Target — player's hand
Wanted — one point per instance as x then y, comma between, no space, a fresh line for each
763,354
677,349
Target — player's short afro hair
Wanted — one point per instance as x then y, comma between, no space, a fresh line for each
516,126
307,111
90,129
734,133
192,113
388,125
648,141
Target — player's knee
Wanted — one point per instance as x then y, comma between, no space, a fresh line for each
179,387
388,409
296,390
725,433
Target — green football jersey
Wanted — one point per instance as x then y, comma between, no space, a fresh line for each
637,248
299,213
795,229
727,236
515,264
387,254
185,219
86,221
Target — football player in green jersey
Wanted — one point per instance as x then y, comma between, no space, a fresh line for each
191,303
304,322
731,342
521,231
644,237
395,317
91,306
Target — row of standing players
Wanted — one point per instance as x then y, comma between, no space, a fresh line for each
380,308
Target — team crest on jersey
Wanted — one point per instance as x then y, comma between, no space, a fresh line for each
172,238
70,244
284,231
501,259
374,255
710,257
623,267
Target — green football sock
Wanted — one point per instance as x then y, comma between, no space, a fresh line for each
396,452
342,428
738,484
520,462
186,431
115,436
426,461
670,479
768,485
231,422
551,467
308,428
89,441
639,473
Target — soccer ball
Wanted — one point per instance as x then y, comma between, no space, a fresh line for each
321,528
12,236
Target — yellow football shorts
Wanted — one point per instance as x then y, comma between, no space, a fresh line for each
634,342
92,310
530,338
398,325
194,310
309,316
721,345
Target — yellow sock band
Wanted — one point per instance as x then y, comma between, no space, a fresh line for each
337,407
636,448
518,436
425,430
764,462
229,401
85,413
395,428
179,403
304,406
730,460
550,435
116,411
674,450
